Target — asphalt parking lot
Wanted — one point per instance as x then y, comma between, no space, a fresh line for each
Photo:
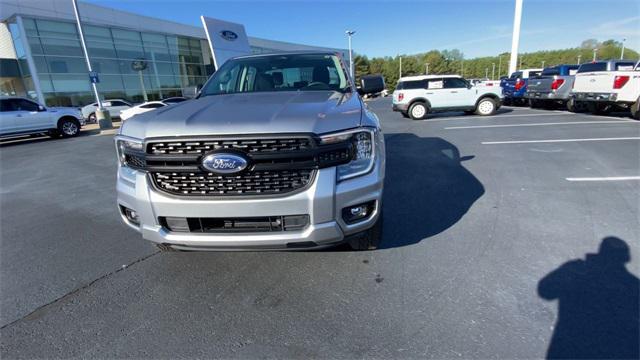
505,237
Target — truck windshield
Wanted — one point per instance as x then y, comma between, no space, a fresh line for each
596,66
297,72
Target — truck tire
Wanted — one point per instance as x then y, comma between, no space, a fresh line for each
418,110
571,106
368,239
635,110
68,126
93,118
486,106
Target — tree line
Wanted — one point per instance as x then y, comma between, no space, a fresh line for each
453,61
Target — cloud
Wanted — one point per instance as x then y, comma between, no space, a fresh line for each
629,27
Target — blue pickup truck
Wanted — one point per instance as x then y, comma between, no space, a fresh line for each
515,86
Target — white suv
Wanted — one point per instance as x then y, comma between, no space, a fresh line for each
416,96
20,116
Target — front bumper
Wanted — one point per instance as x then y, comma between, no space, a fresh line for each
323,201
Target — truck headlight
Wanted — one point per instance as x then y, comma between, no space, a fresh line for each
363,142
124,144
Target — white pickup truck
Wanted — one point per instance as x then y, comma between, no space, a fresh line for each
606,85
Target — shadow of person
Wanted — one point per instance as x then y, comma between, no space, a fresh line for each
597,305
427,189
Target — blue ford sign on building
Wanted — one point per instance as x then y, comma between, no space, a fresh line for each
226,39
224,163
228,35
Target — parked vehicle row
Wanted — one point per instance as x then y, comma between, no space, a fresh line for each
417,96
598,87
117,107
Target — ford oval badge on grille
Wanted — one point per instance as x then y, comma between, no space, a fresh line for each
224,163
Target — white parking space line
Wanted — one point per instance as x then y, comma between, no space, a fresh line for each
490,117
611,178
542,124
555,140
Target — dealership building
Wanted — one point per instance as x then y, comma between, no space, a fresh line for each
41,56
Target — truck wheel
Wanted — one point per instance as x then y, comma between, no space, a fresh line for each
368,239
68,127
418,111
486,106
635,110
93,118
571,106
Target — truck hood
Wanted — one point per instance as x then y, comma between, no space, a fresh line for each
250,113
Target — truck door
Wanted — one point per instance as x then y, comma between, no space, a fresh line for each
458,93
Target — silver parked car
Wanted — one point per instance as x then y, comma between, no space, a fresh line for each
276,152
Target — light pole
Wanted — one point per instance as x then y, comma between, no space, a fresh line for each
400,57
579,58
349,34
622,52
515,38
426,72
462,67
486,73
102,115
493,71
595,52
543,64
499,65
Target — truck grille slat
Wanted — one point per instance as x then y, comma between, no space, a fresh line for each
253,183
249,146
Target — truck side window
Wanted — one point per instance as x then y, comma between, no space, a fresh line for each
5,105
25,105
454,83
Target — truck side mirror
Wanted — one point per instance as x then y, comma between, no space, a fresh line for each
41,108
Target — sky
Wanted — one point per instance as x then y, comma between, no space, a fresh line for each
388,28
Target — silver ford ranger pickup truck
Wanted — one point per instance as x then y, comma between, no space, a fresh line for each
276,152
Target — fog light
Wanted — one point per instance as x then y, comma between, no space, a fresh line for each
131,215
177,224
358,212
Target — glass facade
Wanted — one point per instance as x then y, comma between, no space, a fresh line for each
172,62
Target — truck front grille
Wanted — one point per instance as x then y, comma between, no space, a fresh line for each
250,183
276,164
